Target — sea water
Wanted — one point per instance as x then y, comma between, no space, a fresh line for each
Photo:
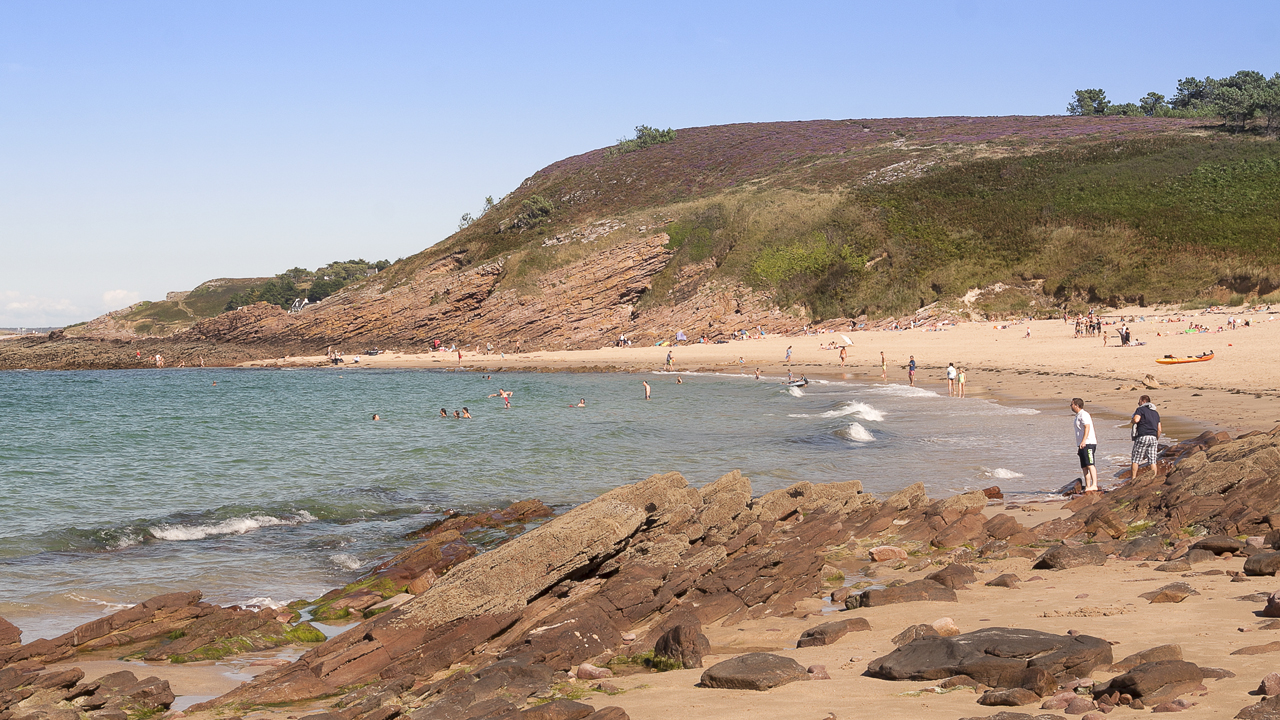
264,486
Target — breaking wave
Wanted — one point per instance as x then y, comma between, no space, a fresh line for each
856,433
346,561
230,526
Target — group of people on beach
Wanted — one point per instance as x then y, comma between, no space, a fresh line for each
1145,429
956,380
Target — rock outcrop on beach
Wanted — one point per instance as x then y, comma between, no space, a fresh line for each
566,592
442,544
175,626
998,658
635,576
27,693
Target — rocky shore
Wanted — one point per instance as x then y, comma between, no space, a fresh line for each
658,595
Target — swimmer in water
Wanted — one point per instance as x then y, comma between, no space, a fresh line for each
581,403
457,415
679,381
646,389
466,413
375,416
505,395
444,413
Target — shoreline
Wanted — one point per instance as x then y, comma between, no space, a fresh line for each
1190,607
1236,392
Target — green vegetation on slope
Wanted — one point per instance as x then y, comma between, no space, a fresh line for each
842,218
1236,99
1157,219
302,283
645,137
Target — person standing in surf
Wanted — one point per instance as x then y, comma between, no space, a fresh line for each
884,366
911,370
646,389
960,381
951,379
1146,436
1086,445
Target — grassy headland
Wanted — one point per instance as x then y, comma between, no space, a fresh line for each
882,217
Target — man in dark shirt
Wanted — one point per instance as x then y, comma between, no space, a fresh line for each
1146,435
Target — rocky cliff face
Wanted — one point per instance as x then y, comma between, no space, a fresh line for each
584,304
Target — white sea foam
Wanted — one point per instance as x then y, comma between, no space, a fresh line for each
346,561
901,390
107,604
230,526
861,409
263,602
856,433
795,392
852,407
126,539
1001,473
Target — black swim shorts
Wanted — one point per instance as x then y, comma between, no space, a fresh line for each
1086,454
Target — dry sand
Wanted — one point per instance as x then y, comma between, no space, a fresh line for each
1236,391
1206,626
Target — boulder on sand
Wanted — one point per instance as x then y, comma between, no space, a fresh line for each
888,552
998,657
683,643
1262,564
1160,652
1268,709
1154,682
1008,697
828,633
918,591
1065,557
1171,593
915,632
955,576
753,671
1219,544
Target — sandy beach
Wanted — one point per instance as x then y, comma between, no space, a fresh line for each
1210,626
1235,392
1034,363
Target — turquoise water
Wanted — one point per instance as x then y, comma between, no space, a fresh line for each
273,485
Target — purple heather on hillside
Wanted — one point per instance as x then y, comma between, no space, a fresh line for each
810,154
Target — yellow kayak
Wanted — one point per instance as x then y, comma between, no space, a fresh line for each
1171,360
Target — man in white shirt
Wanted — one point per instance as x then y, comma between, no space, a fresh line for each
951,379
1086,445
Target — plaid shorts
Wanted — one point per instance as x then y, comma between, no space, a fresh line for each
1144,450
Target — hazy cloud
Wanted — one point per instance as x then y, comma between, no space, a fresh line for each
22,310
116,299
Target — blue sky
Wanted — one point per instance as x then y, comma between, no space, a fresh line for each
149,146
